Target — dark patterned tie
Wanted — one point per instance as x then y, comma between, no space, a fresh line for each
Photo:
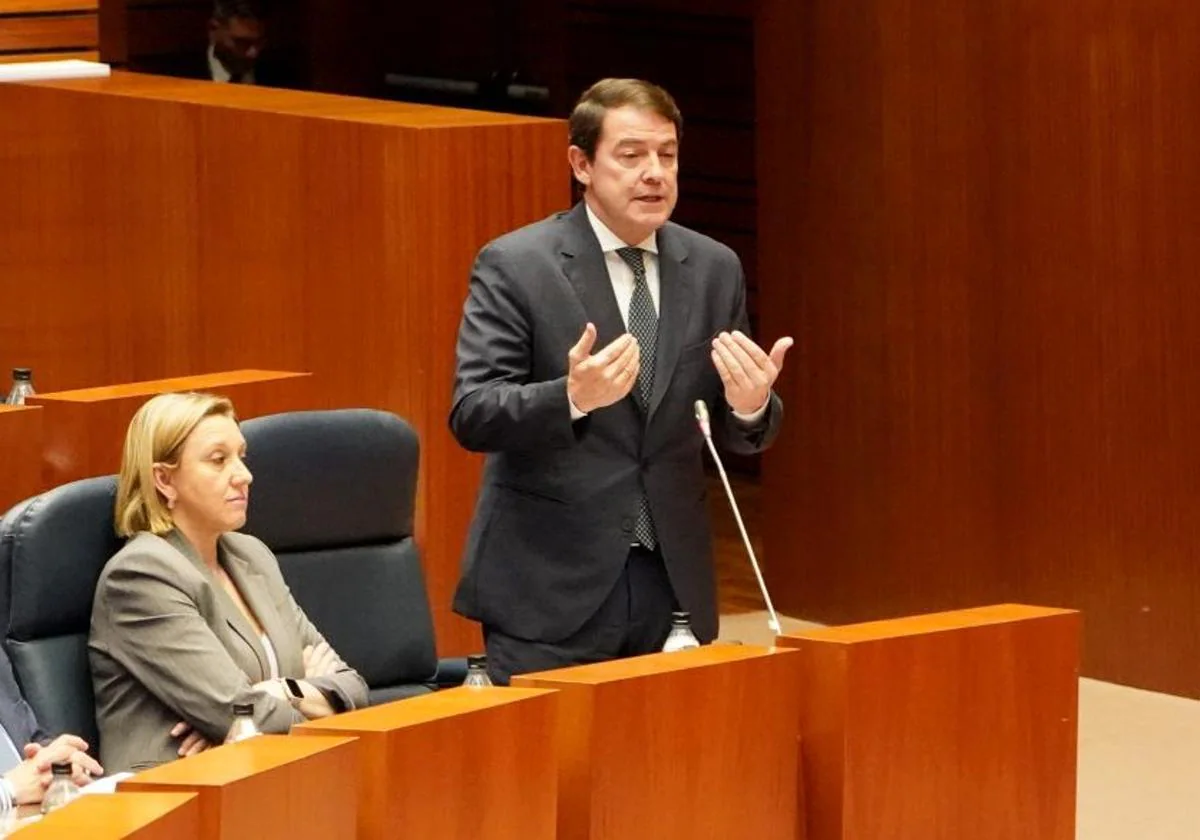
643,325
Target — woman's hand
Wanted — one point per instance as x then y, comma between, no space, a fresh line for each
193,742
320,661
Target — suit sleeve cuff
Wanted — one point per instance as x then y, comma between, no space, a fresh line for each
753,417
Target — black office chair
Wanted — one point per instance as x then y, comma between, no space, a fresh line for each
52,550
333,496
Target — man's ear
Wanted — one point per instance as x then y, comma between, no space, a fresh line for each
580,165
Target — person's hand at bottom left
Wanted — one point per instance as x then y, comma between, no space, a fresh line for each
31,777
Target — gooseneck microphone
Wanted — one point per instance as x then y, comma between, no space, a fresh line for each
706,429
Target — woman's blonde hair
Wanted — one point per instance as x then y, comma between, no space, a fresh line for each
156,436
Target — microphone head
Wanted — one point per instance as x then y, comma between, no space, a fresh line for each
702,417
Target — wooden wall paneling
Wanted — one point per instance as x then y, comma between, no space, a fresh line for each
13,58
112,20
46,7
74,30
992,392
153,30
84,430
21,441
294,231
343,45
476,41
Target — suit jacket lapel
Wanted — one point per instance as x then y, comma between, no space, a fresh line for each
253,589
675,293
583,263
232,615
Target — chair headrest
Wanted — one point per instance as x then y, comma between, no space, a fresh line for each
52,550
326,479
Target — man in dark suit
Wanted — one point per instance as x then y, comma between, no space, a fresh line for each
237,51
586,340
26,752
237,32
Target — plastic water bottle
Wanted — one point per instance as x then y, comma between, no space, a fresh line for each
477,675
243,724
22,387
62,788
681,636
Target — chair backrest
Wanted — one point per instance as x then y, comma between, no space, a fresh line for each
52,550
333,497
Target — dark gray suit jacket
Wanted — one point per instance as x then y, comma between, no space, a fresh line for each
168,644
554,517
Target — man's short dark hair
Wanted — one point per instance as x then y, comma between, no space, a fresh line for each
224,10
587,118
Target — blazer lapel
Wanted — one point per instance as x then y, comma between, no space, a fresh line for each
229,610
583,263
675,294
253,589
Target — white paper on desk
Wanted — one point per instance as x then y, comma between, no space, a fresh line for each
105,784
41,71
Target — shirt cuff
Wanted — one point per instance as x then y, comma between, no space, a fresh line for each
753,417
8,796
576,414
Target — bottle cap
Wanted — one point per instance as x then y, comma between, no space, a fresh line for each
681,617
61,768
476,660
22,373
243,708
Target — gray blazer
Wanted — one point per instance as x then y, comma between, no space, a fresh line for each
168,644
556,508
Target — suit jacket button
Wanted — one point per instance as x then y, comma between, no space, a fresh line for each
627,524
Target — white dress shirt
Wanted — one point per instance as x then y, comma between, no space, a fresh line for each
218,72
619,272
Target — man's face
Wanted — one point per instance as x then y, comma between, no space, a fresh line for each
632,182
237,42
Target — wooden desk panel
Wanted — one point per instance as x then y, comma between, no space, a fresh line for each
697,744
13,58
47,33
26,7
21,440
942,727
272,787
84,430
360,222
121,816
461,764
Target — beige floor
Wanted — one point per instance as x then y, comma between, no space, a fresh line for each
1139,754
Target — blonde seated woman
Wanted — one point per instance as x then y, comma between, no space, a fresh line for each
191,617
